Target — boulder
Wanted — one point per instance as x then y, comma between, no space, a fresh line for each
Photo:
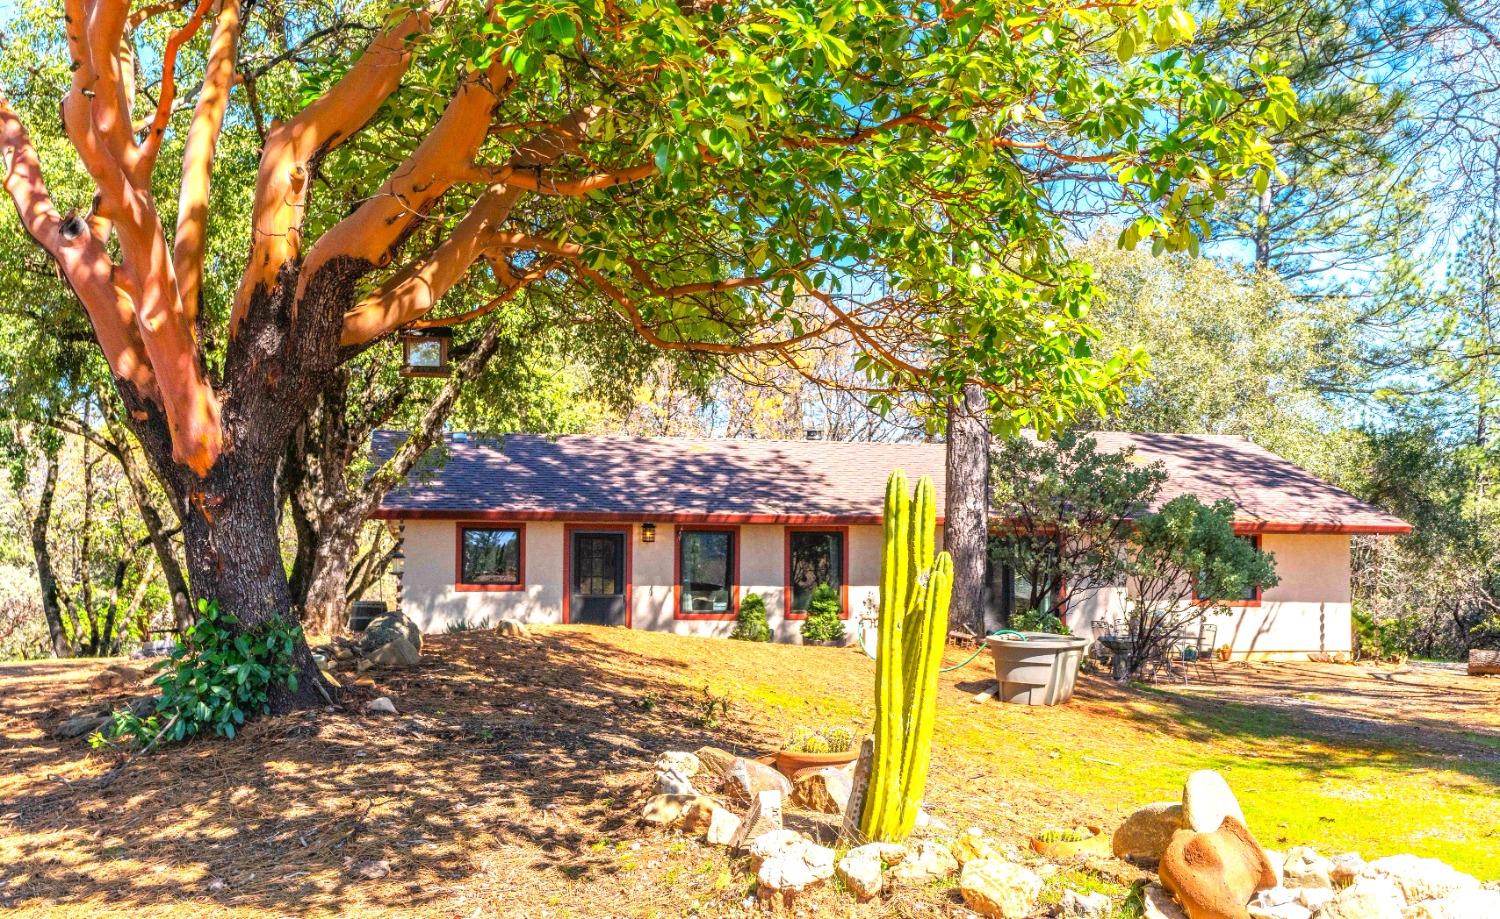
679,761
1157,903
395,653
672,782
1314,898
862,871
1469,905
386,628
714,764
705,817
793,870
668,810
115,676
763,817
747,778
773,843
925,862
1213,875
971,845
998,889
824,789
381,706
79,725
512,628
1207,800
723,827
1144,835
1304,867
1343,869
1420,878
1278,903
1077,905
1366,898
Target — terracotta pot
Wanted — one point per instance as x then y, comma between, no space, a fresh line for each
1095,844
1221,655
788,762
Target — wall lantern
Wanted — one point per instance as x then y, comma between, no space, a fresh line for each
424,352
648,532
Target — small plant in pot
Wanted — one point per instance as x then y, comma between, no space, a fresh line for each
1222,652
823,625
1070,841
807,748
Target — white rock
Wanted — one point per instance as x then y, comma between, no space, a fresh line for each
1314,898
999,889
1472,904
1085,906
679,761
1160,905
862,872
1289,910
1345,868
382,705
670,809
1306,868
1420,878
1275,896
773,843
672,782
1207,800
723,826
794,869
764,816
1366,898
924,862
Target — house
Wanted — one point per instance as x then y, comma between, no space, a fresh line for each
671,533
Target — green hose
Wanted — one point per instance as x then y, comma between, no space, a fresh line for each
1007,633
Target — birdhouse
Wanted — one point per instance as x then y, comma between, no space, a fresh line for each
424,352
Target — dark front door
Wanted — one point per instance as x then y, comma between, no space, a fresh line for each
598,582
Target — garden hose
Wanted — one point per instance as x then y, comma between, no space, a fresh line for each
859,628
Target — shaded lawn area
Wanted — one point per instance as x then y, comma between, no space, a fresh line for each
509,784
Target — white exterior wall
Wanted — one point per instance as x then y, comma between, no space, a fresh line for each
1307,612
431,600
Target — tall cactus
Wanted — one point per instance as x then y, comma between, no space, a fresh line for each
915,589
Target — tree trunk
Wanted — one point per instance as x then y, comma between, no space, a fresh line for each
326,598
46,577
156,530
966,514
234,559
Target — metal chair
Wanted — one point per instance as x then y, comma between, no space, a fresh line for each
1208,639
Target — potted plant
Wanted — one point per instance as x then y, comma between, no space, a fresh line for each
823,625
1066,843
1036,668
750,624
806,748
1222,653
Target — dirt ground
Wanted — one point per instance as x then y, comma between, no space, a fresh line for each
509,783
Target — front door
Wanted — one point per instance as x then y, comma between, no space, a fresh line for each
598,581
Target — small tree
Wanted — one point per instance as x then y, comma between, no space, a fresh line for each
1067,510
750,624
1181,556
823,612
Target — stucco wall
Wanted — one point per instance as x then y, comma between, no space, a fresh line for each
429,597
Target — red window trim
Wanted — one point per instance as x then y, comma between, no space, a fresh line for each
734,573
567,585
458,558
786,570
1233,604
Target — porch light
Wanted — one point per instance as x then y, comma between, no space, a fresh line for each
424,352
648,532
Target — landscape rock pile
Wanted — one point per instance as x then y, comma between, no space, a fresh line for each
390,640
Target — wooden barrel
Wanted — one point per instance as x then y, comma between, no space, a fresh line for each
1482,663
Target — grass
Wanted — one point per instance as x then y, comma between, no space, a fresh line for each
511,780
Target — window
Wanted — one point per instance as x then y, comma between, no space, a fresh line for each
707,573
490,558
1251,596
814,557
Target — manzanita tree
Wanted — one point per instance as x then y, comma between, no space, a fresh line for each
729,178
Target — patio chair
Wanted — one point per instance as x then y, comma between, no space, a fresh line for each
1203,649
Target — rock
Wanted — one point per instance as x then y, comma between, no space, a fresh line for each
396,653
723,827
672,782
115,676
1420,878
792,870
1278,866
862,872
1213,875
925,862
748,778
512,628
668,810
374,871
1144,835
999,889
1085,905
1366,898
1469,905
678,761
825,789
79,725
714,763
1157,903
1207,800
386,628
1314,897
1306,868
1292,910
766,845
763,817
381,706
1345,868
971,845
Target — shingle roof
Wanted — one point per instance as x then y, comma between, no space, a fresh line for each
577,477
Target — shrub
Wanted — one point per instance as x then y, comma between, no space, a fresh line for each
214,681
1038,621
1486,635
823,622
750,624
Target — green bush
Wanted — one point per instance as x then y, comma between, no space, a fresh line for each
1486,635
750,624
1038,621
215,680
823,622
1384,639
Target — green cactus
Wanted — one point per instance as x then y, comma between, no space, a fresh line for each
915,588
815,744
840,740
